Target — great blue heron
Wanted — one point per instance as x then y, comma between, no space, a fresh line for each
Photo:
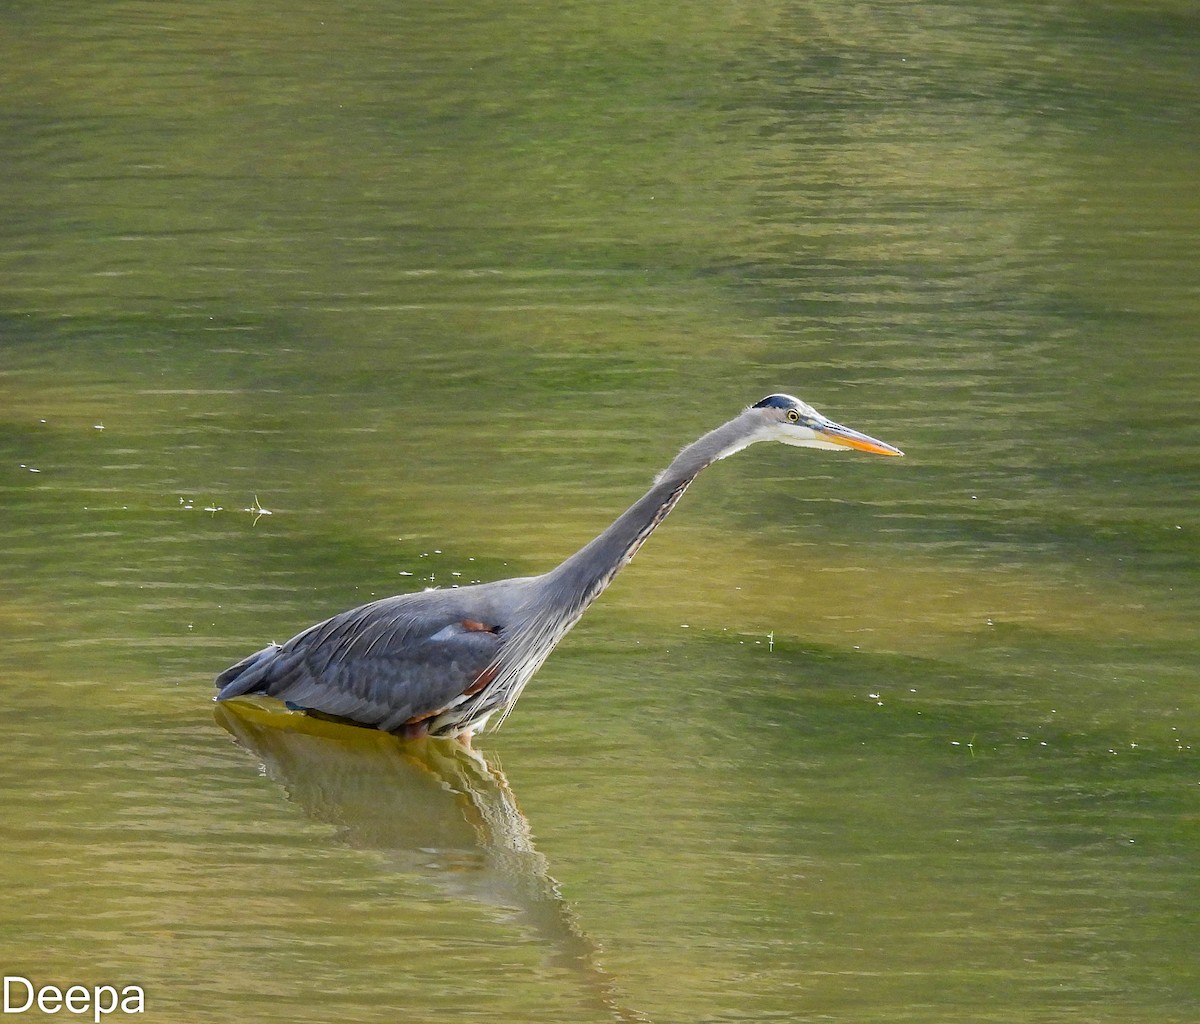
442,662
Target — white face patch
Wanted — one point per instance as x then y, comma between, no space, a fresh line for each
795,434
801,436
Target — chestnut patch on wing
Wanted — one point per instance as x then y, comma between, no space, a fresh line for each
483,679
416,726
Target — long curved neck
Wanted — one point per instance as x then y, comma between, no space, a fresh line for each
582,578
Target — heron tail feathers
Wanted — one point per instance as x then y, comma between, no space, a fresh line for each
247,676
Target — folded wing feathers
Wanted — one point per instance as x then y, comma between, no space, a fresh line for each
375,664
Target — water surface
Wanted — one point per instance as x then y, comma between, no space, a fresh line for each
304,306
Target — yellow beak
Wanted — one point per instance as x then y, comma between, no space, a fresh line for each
844,436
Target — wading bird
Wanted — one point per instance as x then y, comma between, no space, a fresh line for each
442,662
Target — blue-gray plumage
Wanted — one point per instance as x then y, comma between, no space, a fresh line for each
442,662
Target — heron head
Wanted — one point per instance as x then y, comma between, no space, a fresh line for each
794,422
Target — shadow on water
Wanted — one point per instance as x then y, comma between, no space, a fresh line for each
431,807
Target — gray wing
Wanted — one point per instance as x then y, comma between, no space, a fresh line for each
384,664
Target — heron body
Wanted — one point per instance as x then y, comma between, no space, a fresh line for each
442,662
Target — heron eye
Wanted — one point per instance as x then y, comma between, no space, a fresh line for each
793,416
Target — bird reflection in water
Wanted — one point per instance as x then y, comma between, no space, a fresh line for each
432,807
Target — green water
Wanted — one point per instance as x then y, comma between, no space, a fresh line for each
440,288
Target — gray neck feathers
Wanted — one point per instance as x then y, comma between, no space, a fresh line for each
581,578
